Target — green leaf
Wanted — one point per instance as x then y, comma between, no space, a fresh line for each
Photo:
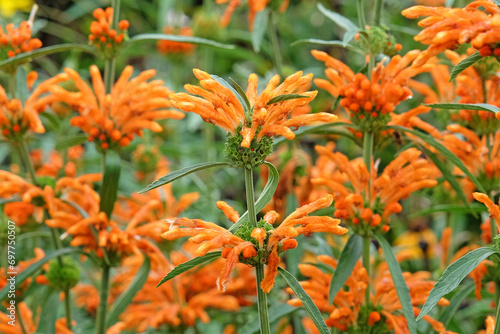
314,130
259,28
442,150
455,208
276,313
311,308
348,36
455,303
34,234
453,275
399,282
126,297
28,56
49,313
242,94
69,141
462,65
340,20
466,106
323,42
183,267
53,120
497,2
265,197
285,97
22,276
348,259
176,38
10,200
241,97
170,177
448,176
109,187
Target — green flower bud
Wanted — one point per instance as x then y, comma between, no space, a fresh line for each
65,276
250,157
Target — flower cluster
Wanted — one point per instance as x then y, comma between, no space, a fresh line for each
167,47
14,41
255,6
106,39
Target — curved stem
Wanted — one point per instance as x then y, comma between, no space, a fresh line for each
273,35
366,264
103,302
262,302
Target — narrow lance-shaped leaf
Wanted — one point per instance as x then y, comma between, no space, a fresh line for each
285,97
276,313
466,106
241,97
183,267
465,63
399,283
348,258
109,187
176,38
240,91
323,42
455,303
311,308
455,208
453,275
442,150
340,20
265,197
259,28
126,297
170,177
49,313
315,129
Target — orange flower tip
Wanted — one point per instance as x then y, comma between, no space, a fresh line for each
258,234
373,318
249,252
385,228
225,252
123,25
289,244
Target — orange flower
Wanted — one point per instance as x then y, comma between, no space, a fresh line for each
102,36
111,120
165,47
447,28
16,119
14,41
493,209
255,6
404,175
367,99
261,244
220,106
87,297
19,268
348,305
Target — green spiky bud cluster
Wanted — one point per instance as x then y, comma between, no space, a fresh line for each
487,67
206,24
378,40
245,233
63,276
250,157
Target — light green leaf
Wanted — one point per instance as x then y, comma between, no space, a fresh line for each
241,97
176,38
126,297
264,198
183,267
323,42
453,275
34,234
240,91
286,97
455,303
311,308
317,129
28,56
69,141
466,106
276,313
109,187
348,259
170,177
443,151
455,208
340,20
49,313
465,63
259,28
399,282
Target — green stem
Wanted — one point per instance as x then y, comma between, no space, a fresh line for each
250,197
25,157
497,319
367,158
109,74
262,302
366,264
67,304
12,83
20,319
378,12
116,13
103,302
273,35
361,14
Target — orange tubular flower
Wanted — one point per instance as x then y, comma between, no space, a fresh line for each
105,39
493,209
166,47
447,28
111,120
348,311
221,106
255,6
261,244
14,41
16,119
369,100
404,175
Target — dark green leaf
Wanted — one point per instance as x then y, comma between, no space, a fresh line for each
10,200
54,120
28,56
461,66
69,141
183,267
466,106
315,129
311,308
448,176
276,313
176,38
241,97
455,208
49,314
21,277
109,187
455,303
242,94
453,275
285,97
170,177
323,42
265,197
340,20
443,151
3,309
259,28
126,297
348,259
399,282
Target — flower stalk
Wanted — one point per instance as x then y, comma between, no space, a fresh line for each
273,35
103,300
25,157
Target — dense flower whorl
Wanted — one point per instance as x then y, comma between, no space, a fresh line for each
102,36
14,41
